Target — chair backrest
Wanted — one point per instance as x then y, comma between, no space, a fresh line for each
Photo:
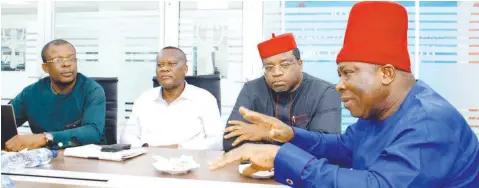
110,85
211,83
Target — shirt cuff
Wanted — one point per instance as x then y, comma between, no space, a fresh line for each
63,140
289,164
300,136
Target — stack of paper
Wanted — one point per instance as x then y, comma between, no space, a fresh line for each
94,152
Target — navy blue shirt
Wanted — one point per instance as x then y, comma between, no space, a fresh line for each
76,118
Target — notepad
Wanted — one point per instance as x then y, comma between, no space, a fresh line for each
94,152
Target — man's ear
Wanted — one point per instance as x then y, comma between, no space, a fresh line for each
185,68
388,74
300,63
44,67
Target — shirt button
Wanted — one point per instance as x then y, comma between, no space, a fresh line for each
289,181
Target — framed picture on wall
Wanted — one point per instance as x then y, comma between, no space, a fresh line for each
13,49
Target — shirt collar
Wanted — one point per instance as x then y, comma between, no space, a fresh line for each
186,94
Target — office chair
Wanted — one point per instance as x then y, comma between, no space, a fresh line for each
110,85
211,83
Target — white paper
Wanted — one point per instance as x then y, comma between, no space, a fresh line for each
94,152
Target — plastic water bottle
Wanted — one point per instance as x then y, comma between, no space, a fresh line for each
28,159
7,182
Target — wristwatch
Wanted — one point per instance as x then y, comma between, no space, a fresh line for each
49,138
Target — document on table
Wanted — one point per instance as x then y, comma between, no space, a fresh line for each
94,152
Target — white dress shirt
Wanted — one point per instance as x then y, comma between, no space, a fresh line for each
193,120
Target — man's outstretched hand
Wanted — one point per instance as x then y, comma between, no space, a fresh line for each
261,156
265,128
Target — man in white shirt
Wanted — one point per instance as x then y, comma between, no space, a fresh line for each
176,114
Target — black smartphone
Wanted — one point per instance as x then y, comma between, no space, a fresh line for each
115,147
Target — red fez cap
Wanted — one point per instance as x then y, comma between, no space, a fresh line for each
377,33
276,45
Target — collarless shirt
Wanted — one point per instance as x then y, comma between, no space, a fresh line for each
76,118
425,143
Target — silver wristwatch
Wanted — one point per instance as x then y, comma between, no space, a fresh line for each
49,138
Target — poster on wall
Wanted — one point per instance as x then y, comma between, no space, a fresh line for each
13,49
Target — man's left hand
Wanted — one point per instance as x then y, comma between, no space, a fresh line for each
261,156
21,142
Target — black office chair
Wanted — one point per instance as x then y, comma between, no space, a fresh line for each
211,83
110,85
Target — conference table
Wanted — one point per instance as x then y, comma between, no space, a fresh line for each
135,172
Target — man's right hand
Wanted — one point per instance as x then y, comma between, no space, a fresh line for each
245,131
21,142
278,131
262,157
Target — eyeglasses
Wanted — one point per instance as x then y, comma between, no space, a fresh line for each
62,60
166,65
268,69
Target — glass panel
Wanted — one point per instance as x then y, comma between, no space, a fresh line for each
212,38
449,49
114,39
20,54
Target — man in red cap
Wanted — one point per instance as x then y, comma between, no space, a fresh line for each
285,92
407,135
